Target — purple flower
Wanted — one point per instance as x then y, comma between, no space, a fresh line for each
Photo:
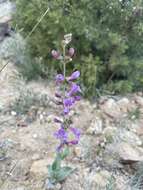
55,54
77,98
59,78
60,147
57,120
71,52
57,95
61,134
74,89
66,110
74,75
68,102
77,134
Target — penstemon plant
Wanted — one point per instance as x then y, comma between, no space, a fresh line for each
67,94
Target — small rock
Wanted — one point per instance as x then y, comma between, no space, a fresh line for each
39,167
78,151
35,136
13,113
129,153
123,104
111,109
131,138
109,133
50,186
96,127
21,169
41,117
139,100
97,180
20,188
36,157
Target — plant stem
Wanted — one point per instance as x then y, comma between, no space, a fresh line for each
64,67
64,61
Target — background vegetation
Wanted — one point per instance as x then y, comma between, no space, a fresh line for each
108,38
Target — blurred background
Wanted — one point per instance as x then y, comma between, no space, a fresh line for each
107,37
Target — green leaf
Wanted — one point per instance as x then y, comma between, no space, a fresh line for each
63,173
64,154
57,163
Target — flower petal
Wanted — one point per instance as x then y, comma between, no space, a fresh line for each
55,54
74,89
71,52
59,78
74,75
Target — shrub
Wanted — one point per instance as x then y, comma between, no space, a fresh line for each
108,36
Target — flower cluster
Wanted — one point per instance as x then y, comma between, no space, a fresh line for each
67,94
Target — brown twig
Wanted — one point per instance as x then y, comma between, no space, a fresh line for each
3,67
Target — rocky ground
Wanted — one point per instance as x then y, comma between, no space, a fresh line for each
108,157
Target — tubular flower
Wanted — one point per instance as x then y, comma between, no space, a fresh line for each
61,134
59,78
74,89
68,102
74,76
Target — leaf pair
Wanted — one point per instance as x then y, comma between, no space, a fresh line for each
56,172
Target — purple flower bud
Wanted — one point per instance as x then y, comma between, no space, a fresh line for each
71,52
74,75
57,120
60,147
59,78
55,54
66,110
73,142
77,98
57,102
57,95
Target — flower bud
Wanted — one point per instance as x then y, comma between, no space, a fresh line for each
59,78
57,95
71,52
55,54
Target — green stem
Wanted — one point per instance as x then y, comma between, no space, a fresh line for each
64,61
64,67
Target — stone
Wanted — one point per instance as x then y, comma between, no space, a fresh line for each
39,167
74,182
21,169
109,133
123,104
129,153
139,100
13,113
96,127
6,9
97,180
130,137
35,136
36,157
110,108
50,186
78,151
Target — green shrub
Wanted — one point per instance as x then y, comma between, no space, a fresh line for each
108,38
